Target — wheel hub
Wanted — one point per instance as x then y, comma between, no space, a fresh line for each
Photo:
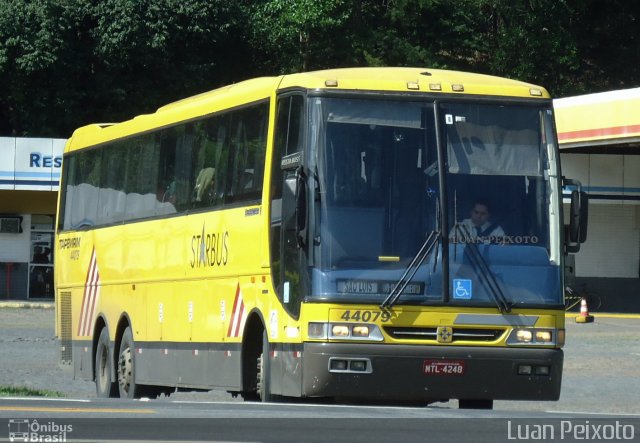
124,370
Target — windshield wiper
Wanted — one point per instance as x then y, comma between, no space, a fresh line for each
484,273
423,253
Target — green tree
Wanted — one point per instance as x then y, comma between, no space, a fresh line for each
429,33
530,40
66,63
302,35
156,51
607,33
30,45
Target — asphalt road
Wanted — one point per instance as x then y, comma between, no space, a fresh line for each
602,366
119,420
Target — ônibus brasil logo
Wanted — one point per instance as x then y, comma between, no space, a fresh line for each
27,430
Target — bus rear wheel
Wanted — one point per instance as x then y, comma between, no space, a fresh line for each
126,368
105,388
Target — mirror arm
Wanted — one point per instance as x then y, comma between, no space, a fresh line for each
301,207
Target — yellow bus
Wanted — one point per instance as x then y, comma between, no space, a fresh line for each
383,234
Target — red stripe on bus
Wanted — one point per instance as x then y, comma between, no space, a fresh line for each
238,322
92,294
85,295
587,133
95,290
233,312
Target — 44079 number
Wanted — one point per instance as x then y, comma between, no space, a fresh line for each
366,316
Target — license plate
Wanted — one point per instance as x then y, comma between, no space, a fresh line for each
443,367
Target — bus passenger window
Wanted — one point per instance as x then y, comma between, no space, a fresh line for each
203,191
248,142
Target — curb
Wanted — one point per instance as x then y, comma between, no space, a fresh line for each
604,315
19,304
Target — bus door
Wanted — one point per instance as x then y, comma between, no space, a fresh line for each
289,203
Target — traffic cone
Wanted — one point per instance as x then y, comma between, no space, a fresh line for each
584,316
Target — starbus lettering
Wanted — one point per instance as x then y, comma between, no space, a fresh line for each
209,249
69,243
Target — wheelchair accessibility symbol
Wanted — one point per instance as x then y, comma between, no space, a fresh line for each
462,288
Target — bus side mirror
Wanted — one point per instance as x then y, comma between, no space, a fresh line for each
294,205
574,217
576,231
584,216
294,197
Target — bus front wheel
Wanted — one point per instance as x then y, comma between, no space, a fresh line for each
264,371
104,386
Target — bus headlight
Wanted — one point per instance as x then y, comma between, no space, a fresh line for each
339,330
360,331
532,336
524,336
344,331
543,336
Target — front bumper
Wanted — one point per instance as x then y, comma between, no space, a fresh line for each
397,373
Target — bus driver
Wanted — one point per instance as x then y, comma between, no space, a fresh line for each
478,225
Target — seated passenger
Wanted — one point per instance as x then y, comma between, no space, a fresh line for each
203,190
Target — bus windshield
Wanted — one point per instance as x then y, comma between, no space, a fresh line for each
380,198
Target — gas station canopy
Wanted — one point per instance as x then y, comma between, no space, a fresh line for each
599,120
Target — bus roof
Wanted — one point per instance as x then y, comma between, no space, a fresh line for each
186,109
378,79
411,79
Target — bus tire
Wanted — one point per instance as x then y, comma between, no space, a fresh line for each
126,367
264,371
105,387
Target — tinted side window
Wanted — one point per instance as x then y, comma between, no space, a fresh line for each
193,165
183,140
66,196
248,141
141,177
82,189
206,177
112,199
167,192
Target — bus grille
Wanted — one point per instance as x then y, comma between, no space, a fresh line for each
431,334
66,332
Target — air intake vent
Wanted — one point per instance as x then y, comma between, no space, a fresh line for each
431,334
66,331
10,225
413,333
